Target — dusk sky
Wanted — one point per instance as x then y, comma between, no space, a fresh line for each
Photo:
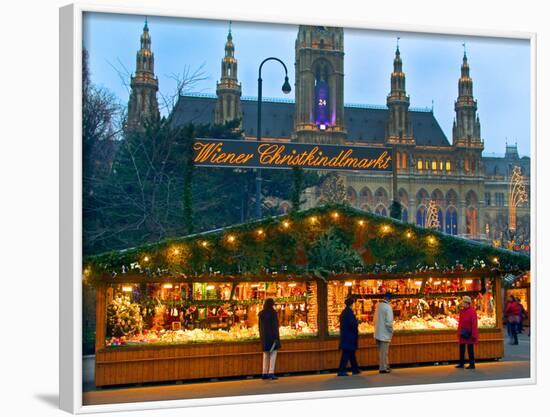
500,68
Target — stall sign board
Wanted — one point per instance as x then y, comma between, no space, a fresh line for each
262,154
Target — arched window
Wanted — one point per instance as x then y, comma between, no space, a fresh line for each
419,164
404,214
451,221
398,159
404,160
448,166
421,215
381,211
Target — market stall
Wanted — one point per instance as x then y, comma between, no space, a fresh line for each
187,309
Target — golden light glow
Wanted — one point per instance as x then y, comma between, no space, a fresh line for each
260,232
361,223
348,283
127,288
437,282
495,260
386,228
286,224
176,251
468,281
409,235
168,286
431,240
313,219
335,215
417,282
210,287
204,243
145,259
292,284
231,239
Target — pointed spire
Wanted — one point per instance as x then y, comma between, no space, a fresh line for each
145,27
464,46
229,33
397,64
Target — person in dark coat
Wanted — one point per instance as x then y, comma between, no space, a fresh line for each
349,339
467,332
268,324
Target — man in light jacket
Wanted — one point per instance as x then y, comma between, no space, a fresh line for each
383,331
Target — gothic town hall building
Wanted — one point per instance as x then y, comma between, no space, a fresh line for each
469,190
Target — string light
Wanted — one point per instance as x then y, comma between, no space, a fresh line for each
231,238
408,234
145,258
495,260
335,215
260,232
204,243
385,228
361,223
176,251
313,219
431,240
286,224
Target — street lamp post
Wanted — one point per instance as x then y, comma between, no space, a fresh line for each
286,89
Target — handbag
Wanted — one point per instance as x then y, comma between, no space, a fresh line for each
465,334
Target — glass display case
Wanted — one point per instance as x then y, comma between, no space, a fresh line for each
418,304
194,312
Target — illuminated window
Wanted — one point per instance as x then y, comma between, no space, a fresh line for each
404,160
467,165
419,164
441,165
448,165
427,164
398,159
434,165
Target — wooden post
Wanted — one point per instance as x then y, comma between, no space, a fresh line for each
498,294
100,316
322,310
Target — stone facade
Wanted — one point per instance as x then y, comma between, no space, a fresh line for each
470,190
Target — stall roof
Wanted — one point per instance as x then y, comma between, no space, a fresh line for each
285,244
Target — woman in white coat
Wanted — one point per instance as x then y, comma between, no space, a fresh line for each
383,331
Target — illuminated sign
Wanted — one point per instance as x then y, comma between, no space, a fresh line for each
252,154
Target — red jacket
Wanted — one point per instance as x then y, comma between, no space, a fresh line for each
467,320
513,308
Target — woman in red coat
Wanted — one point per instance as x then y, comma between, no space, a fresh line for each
467,332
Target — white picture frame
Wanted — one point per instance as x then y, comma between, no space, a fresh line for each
70,259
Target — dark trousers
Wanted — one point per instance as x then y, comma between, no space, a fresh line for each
470,353
348,356
513,329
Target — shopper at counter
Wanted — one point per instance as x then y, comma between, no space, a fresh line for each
467,332
349,339
268,325
383,331
513,318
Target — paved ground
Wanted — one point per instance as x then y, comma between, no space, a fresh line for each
514,365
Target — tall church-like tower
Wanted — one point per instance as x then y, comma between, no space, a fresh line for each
143,102
228,89
319,88
399,128
466,127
